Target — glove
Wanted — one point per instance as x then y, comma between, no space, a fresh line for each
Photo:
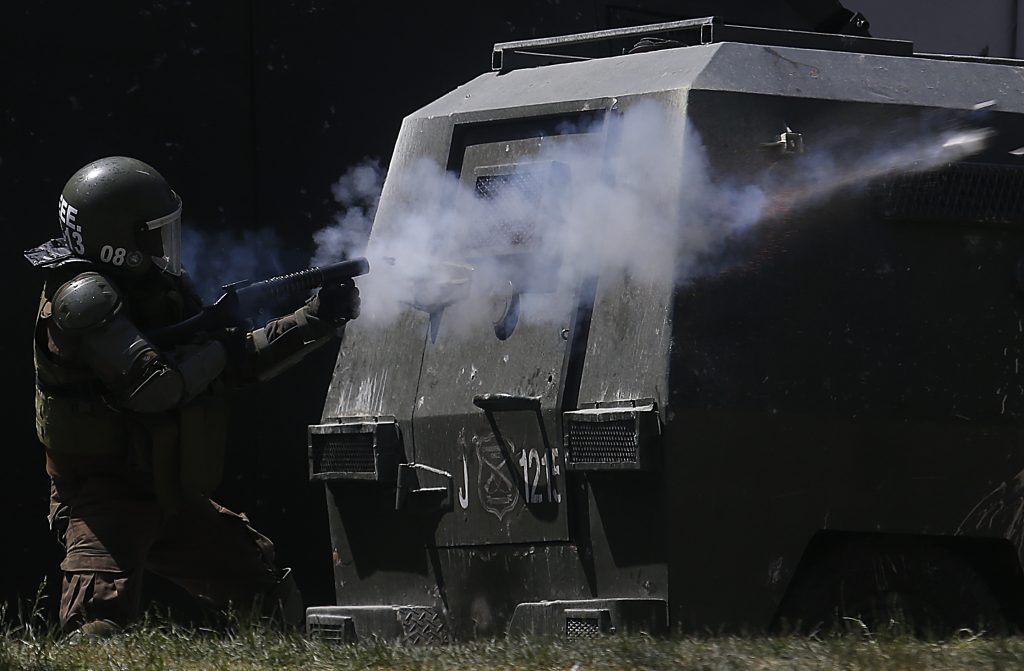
336,303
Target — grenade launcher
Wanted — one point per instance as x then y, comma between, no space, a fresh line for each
241,300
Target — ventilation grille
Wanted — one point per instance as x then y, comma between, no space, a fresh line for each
331,629
608,442
344,453
969,193
526,183
587,623
619,436
355,449
581,628
519,194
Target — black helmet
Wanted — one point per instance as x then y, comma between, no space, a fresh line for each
120,213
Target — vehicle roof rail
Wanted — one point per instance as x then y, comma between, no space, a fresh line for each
507,56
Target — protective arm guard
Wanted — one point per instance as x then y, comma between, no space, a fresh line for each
136,375
283,342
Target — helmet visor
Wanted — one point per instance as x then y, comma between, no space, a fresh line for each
169,227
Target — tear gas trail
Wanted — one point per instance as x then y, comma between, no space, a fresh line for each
920,154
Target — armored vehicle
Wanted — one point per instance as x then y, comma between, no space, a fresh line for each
721,331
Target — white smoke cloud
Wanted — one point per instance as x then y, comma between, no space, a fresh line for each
358,192
648,206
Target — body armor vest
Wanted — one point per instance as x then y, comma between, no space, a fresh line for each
182,447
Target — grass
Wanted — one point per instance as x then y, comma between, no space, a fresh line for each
28,642
152,646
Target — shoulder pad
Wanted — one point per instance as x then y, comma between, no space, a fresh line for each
86,302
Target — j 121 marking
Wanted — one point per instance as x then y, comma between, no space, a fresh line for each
535,466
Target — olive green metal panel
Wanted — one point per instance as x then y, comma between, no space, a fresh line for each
507,337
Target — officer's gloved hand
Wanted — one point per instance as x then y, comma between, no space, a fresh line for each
336,303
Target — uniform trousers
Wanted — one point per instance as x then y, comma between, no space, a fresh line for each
113,530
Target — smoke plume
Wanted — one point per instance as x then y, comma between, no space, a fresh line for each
646,203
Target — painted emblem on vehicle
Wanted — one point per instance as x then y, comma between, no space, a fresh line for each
498,493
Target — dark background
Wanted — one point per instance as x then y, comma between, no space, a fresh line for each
251,110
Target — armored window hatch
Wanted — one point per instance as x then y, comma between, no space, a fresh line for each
352,449
507,56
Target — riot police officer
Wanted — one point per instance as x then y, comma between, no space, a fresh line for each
134,434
